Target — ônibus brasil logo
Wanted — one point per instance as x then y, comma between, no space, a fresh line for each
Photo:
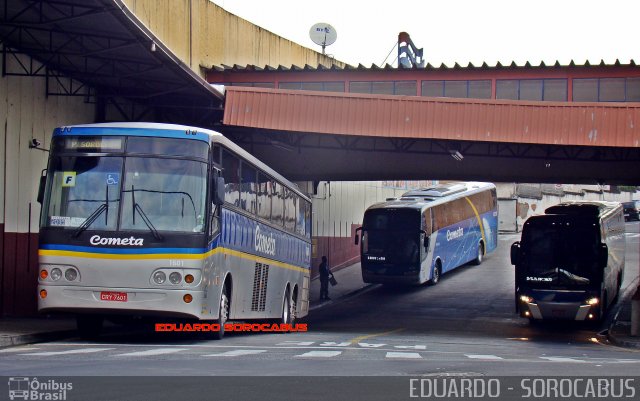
26,388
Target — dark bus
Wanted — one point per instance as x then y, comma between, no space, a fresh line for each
569,263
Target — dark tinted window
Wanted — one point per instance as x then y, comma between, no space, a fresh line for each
231,175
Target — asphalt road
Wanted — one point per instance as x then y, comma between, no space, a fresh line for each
464,326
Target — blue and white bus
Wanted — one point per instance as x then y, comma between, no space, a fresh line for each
425,233
168,220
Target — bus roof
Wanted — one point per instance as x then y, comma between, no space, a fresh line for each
172,131
583,208
432,196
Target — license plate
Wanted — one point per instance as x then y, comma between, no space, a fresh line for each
113,296
558,312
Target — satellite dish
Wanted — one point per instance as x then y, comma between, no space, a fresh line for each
323,34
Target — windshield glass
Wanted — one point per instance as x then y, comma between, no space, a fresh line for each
85,194
169,192
81,186
391,235
565,254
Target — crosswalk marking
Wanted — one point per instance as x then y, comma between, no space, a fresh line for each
152,352
560,359
68,352
319,354
485,357
403,355
239,352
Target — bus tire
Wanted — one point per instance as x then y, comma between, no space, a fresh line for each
437,272
89,326
223,314
479,254
288,309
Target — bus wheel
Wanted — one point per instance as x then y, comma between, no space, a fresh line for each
288,309
437,272
224,314
89,326
479,254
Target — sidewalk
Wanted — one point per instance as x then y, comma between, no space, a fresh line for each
349,282
620,331
29,330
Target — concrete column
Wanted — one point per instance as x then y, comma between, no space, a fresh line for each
635,313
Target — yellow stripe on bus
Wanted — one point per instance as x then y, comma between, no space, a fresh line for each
149,256
475,211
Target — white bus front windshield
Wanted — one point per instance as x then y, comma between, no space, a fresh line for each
170,193
564,255
392,234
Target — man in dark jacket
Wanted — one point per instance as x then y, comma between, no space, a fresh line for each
324,279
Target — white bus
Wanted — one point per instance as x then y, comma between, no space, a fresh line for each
168,220
425,233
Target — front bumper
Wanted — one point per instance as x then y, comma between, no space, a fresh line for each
161,302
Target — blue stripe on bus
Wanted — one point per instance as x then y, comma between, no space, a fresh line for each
121,131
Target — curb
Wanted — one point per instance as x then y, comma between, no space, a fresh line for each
7,341
612,333
343,297
620,341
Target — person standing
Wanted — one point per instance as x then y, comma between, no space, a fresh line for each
324,279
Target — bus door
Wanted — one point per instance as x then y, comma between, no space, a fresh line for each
427,243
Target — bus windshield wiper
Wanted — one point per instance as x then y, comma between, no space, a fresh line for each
147,221
89,220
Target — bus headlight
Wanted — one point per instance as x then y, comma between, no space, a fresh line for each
526,299
175,278
591,301
56,274
71,274
159,277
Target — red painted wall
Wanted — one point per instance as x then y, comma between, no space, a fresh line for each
340,251
18,273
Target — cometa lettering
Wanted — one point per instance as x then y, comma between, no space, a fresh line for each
451,235
265,244
131,241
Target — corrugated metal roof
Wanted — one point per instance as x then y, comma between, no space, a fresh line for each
557,123
388,67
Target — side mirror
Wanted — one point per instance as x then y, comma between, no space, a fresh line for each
515,253
427,238
603,256
43,183
357,235
218,191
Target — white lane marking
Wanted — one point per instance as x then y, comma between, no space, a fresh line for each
319,354
239,352
20,349
152,352
68,352
560,359
403,355
299,343
485,357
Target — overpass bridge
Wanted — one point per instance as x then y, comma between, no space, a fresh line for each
352,137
